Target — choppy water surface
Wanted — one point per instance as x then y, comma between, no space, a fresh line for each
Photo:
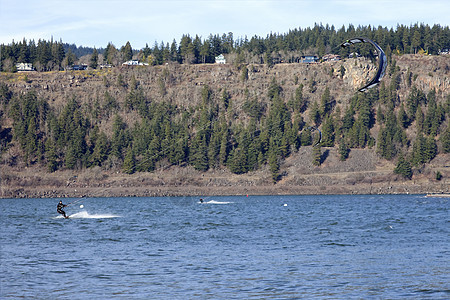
265,247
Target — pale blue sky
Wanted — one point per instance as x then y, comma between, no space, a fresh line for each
97,22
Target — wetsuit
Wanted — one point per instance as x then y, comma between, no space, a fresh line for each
59,209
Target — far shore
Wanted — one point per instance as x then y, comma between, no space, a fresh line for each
429,190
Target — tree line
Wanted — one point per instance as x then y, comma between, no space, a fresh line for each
287,47
209,136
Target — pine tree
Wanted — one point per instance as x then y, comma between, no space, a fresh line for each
299,101
244,74
317,155
328,133
129,163
100,152
70,158
31,141
403,167
343,150
50,154
325,102
274,163
199,157
94,59
305,137
419,150
314,114
223,153
238,161
430,149
403,117
445,140
127,52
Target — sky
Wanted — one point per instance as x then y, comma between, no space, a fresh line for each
95,23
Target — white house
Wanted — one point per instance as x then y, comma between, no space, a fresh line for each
134,62
221,59
24,67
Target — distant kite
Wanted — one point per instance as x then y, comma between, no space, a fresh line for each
382,61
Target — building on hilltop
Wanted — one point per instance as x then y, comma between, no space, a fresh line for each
23,67
331,57
77,67
221,59
134,62
309,59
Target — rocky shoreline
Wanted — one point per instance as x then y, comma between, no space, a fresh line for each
435,189
361,174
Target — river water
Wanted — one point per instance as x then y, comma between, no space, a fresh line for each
256,247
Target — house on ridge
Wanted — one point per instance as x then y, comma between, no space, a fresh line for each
309,59
221,59
331,57
24,67
134,62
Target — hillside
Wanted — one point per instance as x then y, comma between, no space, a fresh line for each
193,106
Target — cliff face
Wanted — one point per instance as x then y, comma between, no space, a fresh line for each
182,85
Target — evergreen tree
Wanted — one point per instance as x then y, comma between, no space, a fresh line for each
419,150
403,167
430,149
328,132
445,140
94,59
129,163
419,120
70,158
199,158
306,138
299,101
100,152
274,163
119,137
110,54
325,102
314,114
238,161
403,117
127,52
50,153
343,150
348,119
317,155
223,153
244,74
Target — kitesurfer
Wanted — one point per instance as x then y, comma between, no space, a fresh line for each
201,200
60,210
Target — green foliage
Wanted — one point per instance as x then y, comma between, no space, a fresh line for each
317,156
325,103
51,55
342,71
403,167
93,63
424,150
129,163
127,52
274,162
214,134
328,133
244,74
445,140
343,150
